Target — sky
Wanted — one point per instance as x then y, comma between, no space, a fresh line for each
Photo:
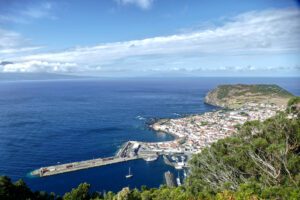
151,37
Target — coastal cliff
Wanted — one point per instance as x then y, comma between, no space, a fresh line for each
235,96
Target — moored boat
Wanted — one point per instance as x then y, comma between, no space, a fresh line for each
151,158
129,175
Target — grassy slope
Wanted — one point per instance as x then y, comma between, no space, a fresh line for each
233,96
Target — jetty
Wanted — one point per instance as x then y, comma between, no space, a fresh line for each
75,166
126,153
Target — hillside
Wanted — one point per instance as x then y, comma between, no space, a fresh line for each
234,96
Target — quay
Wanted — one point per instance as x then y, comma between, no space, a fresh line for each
75,166
131,150
126,153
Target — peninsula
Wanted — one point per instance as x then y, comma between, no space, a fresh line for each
236,96
195,132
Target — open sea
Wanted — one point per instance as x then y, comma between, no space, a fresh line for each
46,122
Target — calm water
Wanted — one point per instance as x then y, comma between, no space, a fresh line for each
45,122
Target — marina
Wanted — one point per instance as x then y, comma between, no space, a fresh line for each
131,150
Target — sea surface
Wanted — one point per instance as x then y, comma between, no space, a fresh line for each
48,122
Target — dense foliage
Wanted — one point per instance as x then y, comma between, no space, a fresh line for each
262,161
294,101
19,190
294,105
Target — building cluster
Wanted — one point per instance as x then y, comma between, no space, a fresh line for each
196,132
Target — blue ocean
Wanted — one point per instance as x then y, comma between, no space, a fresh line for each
56,121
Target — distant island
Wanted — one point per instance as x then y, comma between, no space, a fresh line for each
235,96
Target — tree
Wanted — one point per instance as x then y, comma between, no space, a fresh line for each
79,193
6,188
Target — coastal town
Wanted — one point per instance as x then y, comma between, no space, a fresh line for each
192,134
195,132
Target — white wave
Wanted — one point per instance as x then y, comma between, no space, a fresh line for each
140,117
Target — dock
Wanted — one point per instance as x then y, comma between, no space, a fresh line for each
126,153
75,166
131,150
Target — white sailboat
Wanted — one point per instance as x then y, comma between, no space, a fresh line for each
184,173
129,175
178,180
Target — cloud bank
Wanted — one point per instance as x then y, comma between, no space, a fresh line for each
268,32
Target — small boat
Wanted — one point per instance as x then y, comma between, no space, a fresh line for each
179,165
151,158
178,180
182,158
184,173
129,175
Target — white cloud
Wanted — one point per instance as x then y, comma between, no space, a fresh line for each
13,43
266,32
143,4
19,50
24,13
10,39
40,66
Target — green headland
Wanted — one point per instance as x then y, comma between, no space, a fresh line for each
235,96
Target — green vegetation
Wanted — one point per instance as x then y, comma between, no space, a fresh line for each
262,161
203,123
19,190
240,89
294,101
294,105
223,91
244,114
234,96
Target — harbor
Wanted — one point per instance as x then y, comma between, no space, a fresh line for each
131,150
193,133
126,153
74,166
